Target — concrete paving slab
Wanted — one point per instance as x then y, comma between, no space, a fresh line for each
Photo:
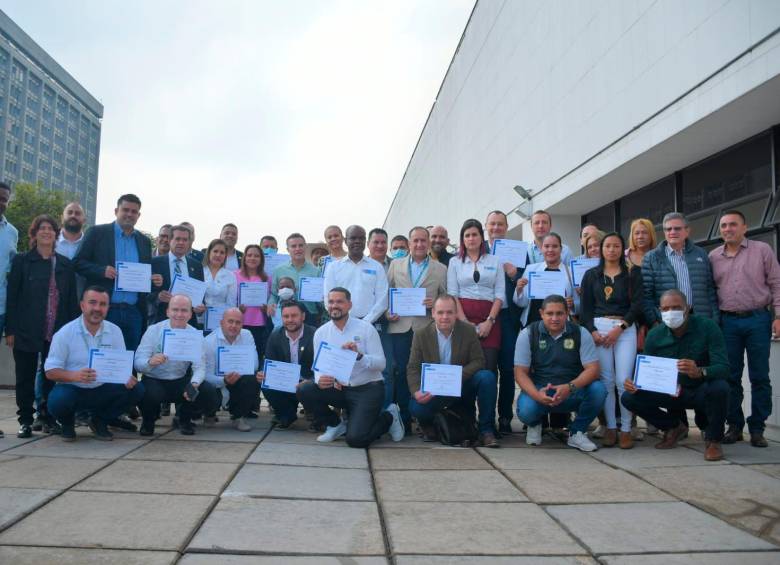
652,527
771,470
315,527
409,442
49,472
17,502
452,458
459,528
745,454
222,432
575,485
300,437
301,482
112,521
491,560
549,441
645,458
83,448
540,459
19,555
303,455
743,558
446,486
10,441
224,559
193,451
164,477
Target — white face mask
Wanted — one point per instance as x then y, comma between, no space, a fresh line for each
673,318
286,294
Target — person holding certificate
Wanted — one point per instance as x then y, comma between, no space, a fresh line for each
168,380
220,283
416,271
476,280
361,391
253,271
177,263
702,375
298,267
78,386
611,304
230,340
449,341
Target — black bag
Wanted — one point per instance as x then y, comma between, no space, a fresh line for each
456,426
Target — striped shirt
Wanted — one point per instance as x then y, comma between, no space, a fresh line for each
677,259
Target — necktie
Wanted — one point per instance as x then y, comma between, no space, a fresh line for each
177,267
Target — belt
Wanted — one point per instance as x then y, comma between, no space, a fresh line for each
744,313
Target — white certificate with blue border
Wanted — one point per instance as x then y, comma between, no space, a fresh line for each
193,288
182,345
542,284
239,359
656,374
407,301
311,289
511,251
274,261
212,317
253,293
111,365
441,380
579,267
282,376
133,277
334,361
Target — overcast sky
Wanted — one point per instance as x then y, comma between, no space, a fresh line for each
280,116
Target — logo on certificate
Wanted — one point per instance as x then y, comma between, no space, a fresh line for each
568,343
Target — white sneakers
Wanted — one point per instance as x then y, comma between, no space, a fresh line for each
333,432
397,430
582,442
534,435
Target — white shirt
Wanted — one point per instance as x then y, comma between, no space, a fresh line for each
371,365
216,339
220,290
185,273
67,247
294,345
231,262
445,347
365,280
491,285
151,343
71,344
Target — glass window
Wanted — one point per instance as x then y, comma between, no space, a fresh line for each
701,226
604,218
651,202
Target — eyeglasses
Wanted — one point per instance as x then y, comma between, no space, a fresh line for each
476,274
674,228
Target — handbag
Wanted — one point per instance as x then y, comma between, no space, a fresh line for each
456,427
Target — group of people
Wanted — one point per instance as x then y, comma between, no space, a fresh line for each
569,353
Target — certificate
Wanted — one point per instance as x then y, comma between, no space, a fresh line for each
281,376
578,268
133,277
253,293
325,262
111,365
605,325
656,374
407,301
542,284
511,251
212,317
334,361
193,288
273,261
311,289
182,345
239,359
441,380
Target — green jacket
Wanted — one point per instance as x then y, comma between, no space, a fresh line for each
702,342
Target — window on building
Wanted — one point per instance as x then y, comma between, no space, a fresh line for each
603,217
651,202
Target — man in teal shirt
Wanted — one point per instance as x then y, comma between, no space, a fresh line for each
297,267
9,237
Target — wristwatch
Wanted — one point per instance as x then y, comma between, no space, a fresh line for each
492,319
623,326
572,387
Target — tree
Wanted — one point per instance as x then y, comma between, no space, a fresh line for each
29,200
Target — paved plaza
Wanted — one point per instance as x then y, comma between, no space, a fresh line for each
270,496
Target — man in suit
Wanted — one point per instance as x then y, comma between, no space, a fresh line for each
290,343
416,271
103,246
229,235
176,262
449,341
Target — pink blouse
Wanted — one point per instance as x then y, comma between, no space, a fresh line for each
253,315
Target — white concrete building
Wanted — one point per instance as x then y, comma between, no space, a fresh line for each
606,110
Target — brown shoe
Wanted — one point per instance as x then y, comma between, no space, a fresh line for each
757,440
732,435
671,437
610,438
626,441
714,452
488,440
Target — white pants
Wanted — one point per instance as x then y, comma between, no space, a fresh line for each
617,365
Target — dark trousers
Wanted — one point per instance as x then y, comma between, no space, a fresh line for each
242,396
285,404
506,366
366,421
710,398
159,390
751,334
402,349
260,335
26,366
106,402
130,321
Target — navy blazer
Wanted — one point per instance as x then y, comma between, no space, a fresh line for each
161,266
277,348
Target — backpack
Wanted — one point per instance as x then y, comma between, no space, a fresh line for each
456,426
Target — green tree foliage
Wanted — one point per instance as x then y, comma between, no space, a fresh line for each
29,200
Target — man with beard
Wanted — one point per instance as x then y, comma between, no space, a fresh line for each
439,242
229,235
163,241
71,234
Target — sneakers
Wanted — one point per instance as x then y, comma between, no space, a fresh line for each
123,423
581,441
333,432
37,424
534,435
241,425
397,430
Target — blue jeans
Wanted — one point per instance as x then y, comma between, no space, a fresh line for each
402,349
480,387
388,373
751,334
587,402
130,321
108,401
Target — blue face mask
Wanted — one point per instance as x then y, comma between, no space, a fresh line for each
398,253
269,251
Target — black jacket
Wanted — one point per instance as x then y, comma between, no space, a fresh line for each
28,294
277,348
161,266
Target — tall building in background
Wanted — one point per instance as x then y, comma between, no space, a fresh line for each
49,123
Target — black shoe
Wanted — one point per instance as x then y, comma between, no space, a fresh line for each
147,429
505,427
165,409
133,413
68,433
757,440
100,430
175,423
2,435
186,428
285,424
37,424
25,431
123,423
733,435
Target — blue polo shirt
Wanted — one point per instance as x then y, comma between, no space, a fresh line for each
125,249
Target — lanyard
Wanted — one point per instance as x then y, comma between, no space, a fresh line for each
416,282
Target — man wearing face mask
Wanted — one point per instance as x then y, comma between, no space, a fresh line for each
377,249
297,267
399,247
698,345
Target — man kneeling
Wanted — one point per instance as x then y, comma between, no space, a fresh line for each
557,369
68,365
